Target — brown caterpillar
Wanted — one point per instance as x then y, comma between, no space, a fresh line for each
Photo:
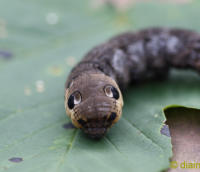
93,99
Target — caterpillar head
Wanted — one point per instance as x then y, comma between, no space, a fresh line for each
94,103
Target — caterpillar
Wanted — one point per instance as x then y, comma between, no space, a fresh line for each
93,90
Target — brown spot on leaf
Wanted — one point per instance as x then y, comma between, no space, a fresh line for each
68,126
16,159
27,91
3,30
55,70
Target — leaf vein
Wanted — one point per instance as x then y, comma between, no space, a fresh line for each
69,147
145,135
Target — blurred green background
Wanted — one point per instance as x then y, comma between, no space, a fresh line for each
40,41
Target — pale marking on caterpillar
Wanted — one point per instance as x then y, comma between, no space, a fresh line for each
93,98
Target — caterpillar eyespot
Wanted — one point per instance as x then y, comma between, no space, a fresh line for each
74,99
93,98
111,91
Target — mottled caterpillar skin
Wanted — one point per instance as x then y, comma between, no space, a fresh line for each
130,57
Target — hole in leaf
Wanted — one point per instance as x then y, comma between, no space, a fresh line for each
184,126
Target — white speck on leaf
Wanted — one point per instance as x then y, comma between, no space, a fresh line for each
40,86
71,61
52,18
156,115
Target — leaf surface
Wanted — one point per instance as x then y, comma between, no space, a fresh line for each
44,39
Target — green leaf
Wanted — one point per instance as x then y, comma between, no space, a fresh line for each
42,41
